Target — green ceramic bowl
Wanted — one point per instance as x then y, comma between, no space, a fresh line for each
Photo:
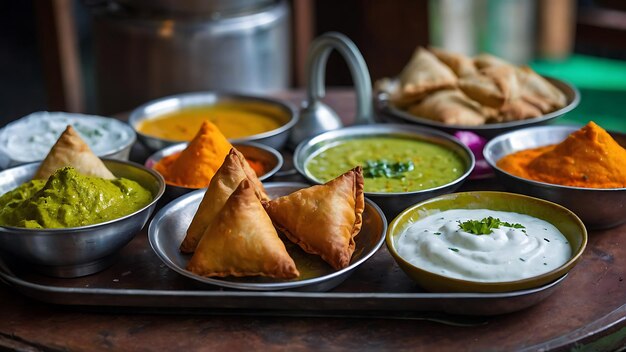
562,218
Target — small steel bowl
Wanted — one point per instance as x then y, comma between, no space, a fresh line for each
277,138
251,150
16,129
390,203
489,130
597,207
83,250
562,218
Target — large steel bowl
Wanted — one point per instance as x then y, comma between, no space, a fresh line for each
277,138
77,251
489,130
391,203
598,208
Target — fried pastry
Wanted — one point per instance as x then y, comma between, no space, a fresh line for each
451,107
242,241
518,110
323,219
425,74
484,60
492,86
538,91
71,150
460,64
234,169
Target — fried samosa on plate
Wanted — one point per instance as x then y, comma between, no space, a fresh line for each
234,169
451,107
460,64
71,150
492,86
424,74
323,219
242,241
539,92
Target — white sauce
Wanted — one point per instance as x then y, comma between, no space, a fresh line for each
437,244
31,137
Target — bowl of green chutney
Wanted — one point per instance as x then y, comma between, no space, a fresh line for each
93,238
402,164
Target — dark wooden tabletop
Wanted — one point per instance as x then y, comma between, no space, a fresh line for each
587,312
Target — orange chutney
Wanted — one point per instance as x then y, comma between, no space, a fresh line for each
589,157
234,120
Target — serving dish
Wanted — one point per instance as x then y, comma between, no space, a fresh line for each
563,219
107,137
168,227
393,202
394,114
276,138
83,250
598,208
268,156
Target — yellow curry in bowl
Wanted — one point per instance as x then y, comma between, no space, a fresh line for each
390,165
234,120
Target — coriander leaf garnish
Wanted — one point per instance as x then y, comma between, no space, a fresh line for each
384,168
485,226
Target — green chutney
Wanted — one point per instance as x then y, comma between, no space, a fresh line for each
70,199
434,165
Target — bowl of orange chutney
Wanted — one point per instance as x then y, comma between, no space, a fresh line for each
171,120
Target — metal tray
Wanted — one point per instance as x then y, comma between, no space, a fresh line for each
377,288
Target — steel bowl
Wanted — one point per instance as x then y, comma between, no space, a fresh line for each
277,138
390,203
168,227
598,208
58,121
253,151
83,250
562,218
395,114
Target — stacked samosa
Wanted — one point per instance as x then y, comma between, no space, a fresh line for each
232,235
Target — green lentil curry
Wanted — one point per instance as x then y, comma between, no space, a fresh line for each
70,199
432,165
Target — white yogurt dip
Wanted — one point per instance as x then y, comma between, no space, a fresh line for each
31,137
437,244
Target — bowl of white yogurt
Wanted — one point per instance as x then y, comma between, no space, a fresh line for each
485,242
30,138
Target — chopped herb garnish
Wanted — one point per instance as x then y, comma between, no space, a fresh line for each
453,249
384,168
486,225
547,240
437,233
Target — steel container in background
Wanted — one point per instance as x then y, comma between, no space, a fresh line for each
146,50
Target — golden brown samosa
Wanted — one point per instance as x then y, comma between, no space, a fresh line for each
242,241
460,64
451,107
424,74
492,86
518,110
71,150
233,170
323,219
539,92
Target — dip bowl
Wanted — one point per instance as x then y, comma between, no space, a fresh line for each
597,207
489,130
30,138
390,202
282,112
563,219
269,157
83,250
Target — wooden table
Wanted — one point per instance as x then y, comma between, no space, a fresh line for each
587,311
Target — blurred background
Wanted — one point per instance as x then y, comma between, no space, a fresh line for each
108,56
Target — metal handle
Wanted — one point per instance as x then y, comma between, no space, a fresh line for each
319,51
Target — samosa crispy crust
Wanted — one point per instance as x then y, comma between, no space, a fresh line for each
242,241
71,150
323,219
222,185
